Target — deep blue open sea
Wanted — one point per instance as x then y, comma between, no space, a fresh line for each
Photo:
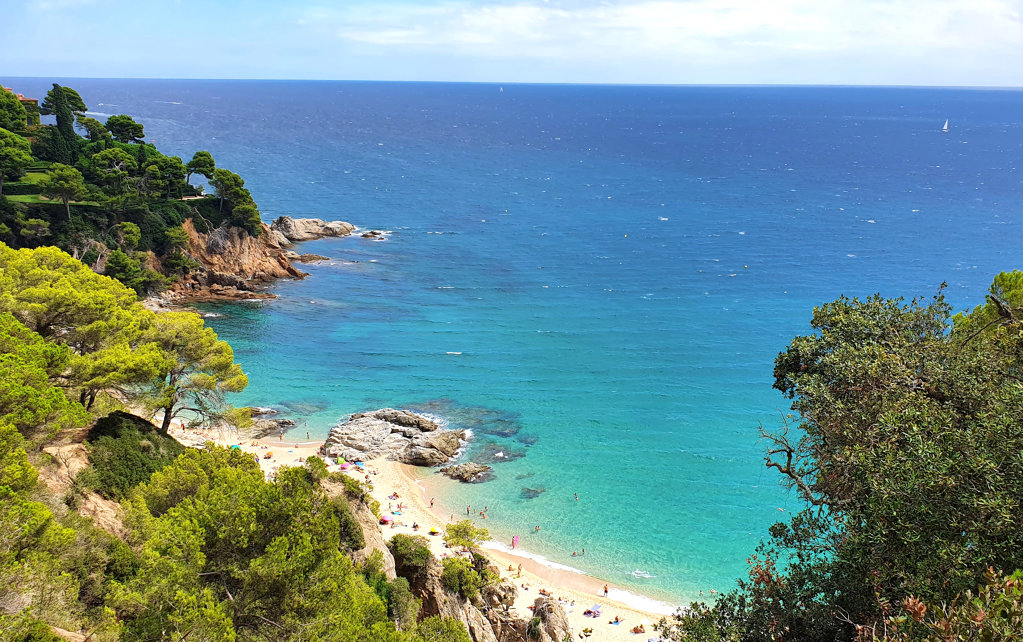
594,279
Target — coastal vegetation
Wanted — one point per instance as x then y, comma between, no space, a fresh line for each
77,192
907,452
200,545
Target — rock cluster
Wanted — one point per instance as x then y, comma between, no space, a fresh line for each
396,434
468,472
291,255
286,230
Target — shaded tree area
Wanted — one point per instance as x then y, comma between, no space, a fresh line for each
907,451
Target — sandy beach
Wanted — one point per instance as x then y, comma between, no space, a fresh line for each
395,483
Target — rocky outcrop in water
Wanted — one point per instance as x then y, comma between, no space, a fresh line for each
304,258
232,264
396,434
294,230
468,472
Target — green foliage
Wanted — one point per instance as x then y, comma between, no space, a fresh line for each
203,369
411,555
112,169
164,175
93,128
994,613
28,399
436,629
246,216
15,156
124,129
50,105
12,112
129,235
202,163
222,546
908,457
64,183
125,451
461,577
128,270
465,533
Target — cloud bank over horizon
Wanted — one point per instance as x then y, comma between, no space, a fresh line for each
901,42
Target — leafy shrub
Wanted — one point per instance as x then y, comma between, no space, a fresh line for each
351,529
125,451
466,578
411,555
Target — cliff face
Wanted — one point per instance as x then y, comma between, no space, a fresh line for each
234,264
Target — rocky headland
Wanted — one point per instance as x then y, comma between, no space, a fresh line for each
400,435
233,264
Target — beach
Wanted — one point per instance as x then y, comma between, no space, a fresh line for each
394,483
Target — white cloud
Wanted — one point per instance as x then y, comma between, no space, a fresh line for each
676,34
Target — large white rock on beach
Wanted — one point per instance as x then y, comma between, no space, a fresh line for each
307,229
396,434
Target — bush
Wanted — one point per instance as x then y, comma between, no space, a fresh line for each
466,578
412,555
351,529
125,451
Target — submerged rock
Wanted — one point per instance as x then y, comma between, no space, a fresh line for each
469,472
532,493
396,434
493,453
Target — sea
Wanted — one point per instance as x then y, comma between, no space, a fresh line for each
593,280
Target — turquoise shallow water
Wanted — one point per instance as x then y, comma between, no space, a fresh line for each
595,280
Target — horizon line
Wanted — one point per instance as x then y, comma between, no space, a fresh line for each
528,83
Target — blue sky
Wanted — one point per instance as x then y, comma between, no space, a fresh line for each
900,42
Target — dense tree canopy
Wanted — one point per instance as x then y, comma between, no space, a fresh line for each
15,156
125,129
65,184
907,453
12,112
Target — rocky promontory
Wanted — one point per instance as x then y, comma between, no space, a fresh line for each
400,435
468,472
286,230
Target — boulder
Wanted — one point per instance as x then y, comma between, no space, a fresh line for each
469,472
554,625
501,594
307,229
397,434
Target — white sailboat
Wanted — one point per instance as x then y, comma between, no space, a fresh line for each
945,127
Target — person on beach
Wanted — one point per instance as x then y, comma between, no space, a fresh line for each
468,510
605,590
431,502
536,530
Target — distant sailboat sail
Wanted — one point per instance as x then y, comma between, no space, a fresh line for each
945,128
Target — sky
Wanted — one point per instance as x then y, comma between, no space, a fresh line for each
834,42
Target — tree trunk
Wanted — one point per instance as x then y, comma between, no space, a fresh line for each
67,206
1,183
167,416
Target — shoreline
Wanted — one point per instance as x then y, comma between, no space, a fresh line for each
560,574
577,590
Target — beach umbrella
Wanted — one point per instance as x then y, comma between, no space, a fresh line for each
386,518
